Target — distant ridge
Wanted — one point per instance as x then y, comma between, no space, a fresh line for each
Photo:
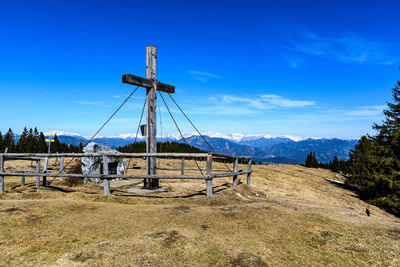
268,149
236,137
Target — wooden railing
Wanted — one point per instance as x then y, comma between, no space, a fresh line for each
208,177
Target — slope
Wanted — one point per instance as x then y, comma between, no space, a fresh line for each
289,216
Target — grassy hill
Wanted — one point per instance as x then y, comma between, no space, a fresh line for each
289,216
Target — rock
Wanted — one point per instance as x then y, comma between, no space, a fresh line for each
94,165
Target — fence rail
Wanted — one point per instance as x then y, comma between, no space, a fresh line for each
43,172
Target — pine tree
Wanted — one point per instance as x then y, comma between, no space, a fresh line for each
311,160
9,141
375,161
22,142
30,142
308,161
314,160
41,144
335,164
56,146
36,140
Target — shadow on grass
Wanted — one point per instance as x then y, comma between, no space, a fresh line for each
349,187
33,185
121,193
216,189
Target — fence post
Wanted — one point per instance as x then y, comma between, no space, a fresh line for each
106,182
249,174
1,170
235,169
61,168
22,180
183,167
37,173
46,163
209,180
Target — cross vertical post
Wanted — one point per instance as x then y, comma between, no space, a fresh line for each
152,86
151,98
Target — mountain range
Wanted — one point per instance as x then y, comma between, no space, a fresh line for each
265,149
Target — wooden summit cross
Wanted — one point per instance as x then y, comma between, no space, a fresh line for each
152,85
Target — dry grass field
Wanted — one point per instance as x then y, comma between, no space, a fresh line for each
289,216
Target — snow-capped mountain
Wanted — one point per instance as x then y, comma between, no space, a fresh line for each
59,133
263,148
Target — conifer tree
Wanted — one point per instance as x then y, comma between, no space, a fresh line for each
41,144
9,141
335,164
311,160
22,142
36,140
375,161
308,160
314,160
56,146
30,142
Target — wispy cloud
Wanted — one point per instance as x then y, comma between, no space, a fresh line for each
366,111
201,75
202,79
266,101
222,110
252,102
292,63
279,101
360,113
389,62
245,105
91,103
346,48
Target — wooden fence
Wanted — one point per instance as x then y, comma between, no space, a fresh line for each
106,177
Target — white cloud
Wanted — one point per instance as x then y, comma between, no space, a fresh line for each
279,101
293,64
389,62
253,102
244,105
347,48
92,103
223,110
202,79
206,74
366,111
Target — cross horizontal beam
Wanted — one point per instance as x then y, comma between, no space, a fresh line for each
143,82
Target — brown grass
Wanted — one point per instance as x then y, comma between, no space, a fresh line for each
75,167
289,216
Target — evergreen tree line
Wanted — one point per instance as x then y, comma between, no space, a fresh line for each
33,141
169,147
374,164
335,165
164,147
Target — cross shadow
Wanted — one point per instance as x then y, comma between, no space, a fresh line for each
121,193
216,189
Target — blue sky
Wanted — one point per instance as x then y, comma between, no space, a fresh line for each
303,68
